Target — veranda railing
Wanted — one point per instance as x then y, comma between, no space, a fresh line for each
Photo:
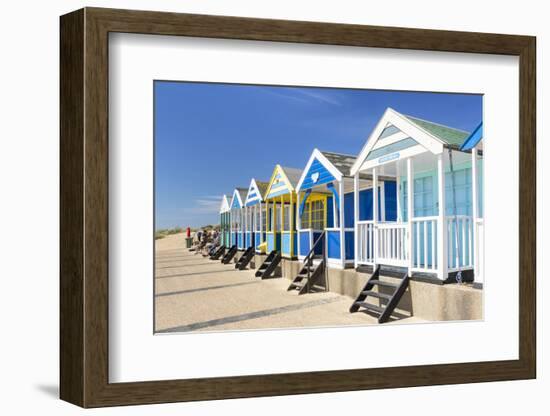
388,243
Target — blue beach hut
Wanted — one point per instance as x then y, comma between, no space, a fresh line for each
326,204
255,214
238,218
225,222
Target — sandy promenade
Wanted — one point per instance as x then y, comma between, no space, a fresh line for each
193,293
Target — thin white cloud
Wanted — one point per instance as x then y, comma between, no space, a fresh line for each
319,96
207,204
281,94
303,95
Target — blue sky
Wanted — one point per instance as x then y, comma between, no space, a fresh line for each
211,138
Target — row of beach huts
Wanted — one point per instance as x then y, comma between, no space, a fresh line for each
343,212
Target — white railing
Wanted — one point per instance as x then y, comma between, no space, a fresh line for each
460,237
365,242
392,244
391,240
424,235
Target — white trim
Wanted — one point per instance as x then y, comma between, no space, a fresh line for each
253,187
393,138
317,154
442,221
375,212
225,205
355,218
236,192
342,223
382,201
410,214
475,240
398,192
429,141
403,154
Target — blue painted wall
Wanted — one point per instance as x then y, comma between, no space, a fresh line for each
240,242
259,238
350,245
317,168
286,247
304,243
390,196
248,238
270,242
333,244
349,210
330,212
319,248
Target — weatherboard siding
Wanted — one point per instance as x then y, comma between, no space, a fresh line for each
319,172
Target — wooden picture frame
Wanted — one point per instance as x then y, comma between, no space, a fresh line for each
84,207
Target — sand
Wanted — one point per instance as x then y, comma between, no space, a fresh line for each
194,293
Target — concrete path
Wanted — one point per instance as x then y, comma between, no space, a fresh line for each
193,293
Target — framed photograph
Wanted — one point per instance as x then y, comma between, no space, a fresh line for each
255,207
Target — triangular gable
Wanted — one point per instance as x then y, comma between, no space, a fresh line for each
236,201
403,129
224,205
279,184
319,170
255,192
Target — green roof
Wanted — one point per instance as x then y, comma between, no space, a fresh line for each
446,134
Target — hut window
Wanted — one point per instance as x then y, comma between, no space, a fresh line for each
317,215
257,212
269,224
286,218
306,220
462,192
313,215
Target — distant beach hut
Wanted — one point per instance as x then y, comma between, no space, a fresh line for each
255,214
280,201
238,218
326,204
225,222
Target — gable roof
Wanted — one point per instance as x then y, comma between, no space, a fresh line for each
446,134
410,131
239,195
340,161
256,191
224,207
326,166
283,181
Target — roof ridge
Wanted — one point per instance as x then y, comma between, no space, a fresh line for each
435,123
338,153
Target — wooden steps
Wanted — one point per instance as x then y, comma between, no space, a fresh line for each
388,301
269,265
218,253
229,255
245,258
310,275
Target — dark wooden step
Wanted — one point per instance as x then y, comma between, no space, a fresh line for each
376,294
383,283
370,307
